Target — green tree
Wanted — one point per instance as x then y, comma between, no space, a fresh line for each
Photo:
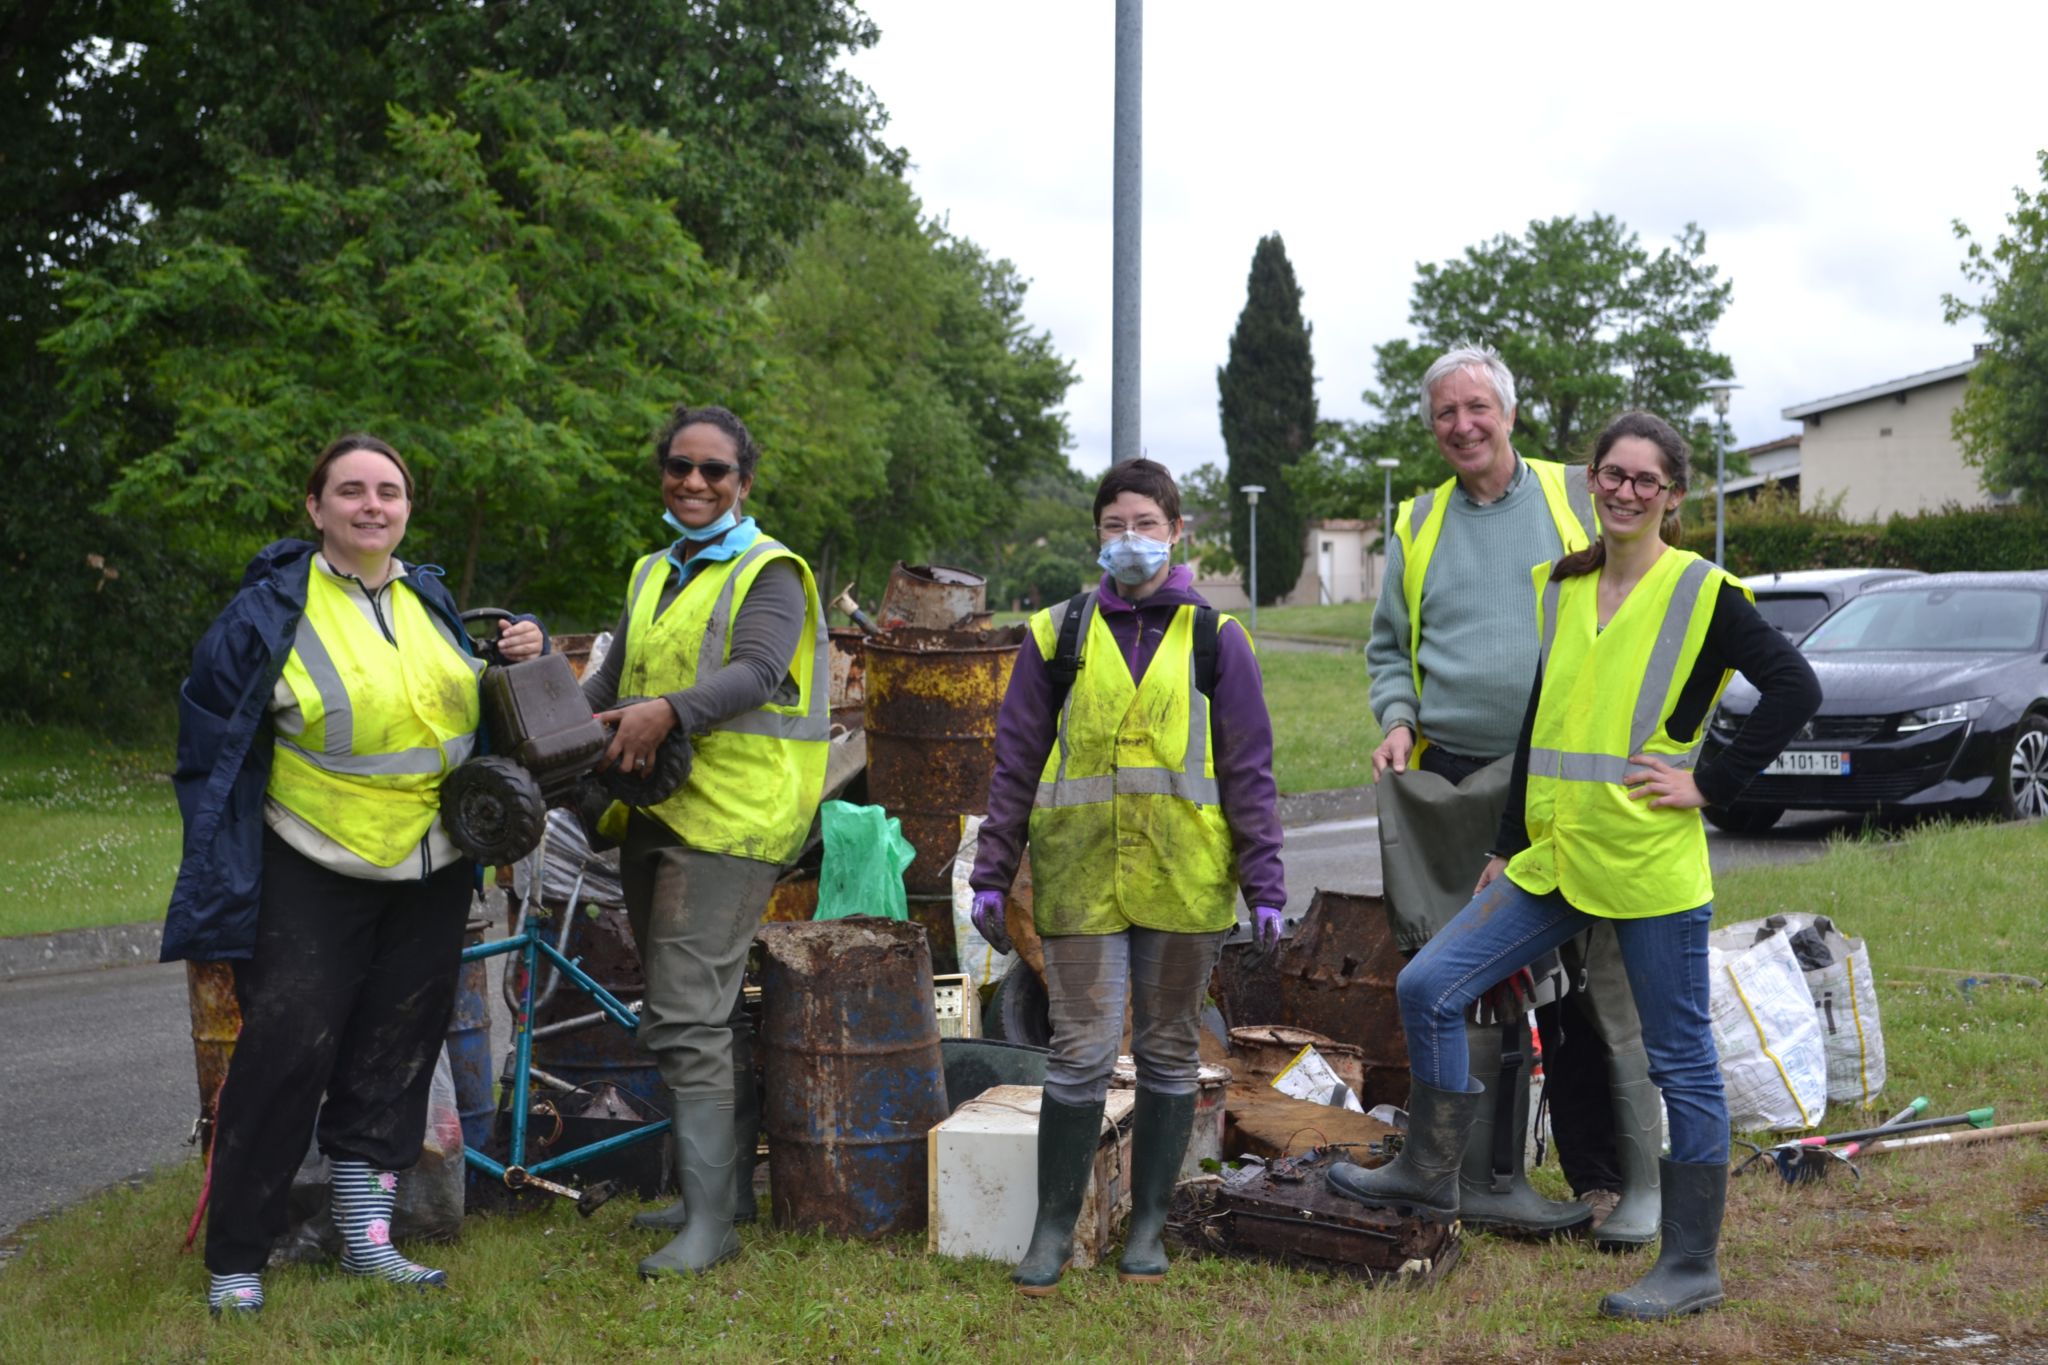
1267,400
2002,424
1588,320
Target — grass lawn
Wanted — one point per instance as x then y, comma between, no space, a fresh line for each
1323,732
1343,621
88,830
1930,1244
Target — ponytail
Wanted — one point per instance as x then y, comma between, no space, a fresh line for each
1579,562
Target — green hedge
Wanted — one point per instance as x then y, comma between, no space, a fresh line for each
1772,536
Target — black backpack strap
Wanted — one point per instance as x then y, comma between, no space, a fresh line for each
1065,663
1208,625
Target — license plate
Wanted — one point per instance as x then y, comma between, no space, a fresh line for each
1809,763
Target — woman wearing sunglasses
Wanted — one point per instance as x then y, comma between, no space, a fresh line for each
723,635
1602,822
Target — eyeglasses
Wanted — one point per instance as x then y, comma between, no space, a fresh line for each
714,471
1612,477
1152,528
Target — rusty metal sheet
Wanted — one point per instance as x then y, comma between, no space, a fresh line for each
216,1024
932,596
794,899
1335,976
853,1074
847,665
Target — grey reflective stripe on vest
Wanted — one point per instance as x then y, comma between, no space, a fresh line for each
1191,785
404,763
1658,676
816,722
1550,595
1418,513
339,723
339,720
1580,499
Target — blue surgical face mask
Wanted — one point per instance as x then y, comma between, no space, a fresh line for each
711,532
1132,559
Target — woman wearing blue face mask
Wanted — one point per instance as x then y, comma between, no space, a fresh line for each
724,633
1146,794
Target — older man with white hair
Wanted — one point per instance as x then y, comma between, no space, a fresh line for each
1453,647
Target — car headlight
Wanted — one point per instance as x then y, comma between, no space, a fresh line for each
1948,713
1726,723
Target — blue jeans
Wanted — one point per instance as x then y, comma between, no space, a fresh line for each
1504,928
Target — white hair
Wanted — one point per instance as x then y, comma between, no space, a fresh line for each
1485,360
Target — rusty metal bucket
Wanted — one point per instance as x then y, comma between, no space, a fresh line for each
932,697
1335,976
216,1024
855,1079
932,596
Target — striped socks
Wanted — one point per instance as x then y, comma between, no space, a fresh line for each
362,1214
235,1294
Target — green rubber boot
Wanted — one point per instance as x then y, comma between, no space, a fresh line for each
1421,1182
1687,1276
746,1126
705,1156
1067,1138
1160,1125
1493,1186
1633,1223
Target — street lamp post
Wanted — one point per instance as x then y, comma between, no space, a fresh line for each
1718,394
1387,466
1251,493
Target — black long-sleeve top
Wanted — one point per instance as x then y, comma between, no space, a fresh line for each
1737,638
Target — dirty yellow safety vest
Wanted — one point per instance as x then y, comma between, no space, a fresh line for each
1419,524
1127,827
383,725
755,778
1607,694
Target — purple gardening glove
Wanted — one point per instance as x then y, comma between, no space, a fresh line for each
1266,926
991,919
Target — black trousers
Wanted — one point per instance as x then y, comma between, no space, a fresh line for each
349,996
1575,1075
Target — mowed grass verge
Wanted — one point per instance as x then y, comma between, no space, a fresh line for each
88,830
1928,1245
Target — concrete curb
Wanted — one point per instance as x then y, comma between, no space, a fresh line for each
80,950
130,945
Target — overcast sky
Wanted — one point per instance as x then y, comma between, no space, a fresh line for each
1824,150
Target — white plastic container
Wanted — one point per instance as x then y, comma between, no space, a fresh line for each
1212,1085
983,1178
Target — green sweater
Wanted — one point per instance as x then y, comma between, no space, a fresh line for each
1479,644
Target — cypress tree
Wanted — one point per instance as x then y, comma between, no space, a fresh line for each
1268,408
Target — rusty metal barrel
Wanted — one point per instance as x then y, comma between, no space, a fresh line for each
931,704
469,1042
855,1079
216,1024
932,597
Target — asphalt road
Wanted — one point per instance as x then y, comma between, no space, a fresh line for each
98,1070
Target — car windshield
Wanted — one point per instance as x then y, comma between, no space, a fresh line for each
1792,612
1949,620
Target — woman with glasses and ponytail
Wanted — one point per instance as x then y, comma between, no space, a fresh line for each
723,639
1602,822
1135,755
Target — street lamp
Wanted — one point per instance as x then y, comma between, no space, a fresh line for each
1251,493
1387,466
1718,394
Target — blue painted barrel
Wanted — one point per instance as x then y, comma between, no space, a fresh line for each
469,1044
853,1073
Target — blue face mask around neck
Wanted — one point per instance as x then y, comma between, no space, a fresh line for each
711,532
1132,559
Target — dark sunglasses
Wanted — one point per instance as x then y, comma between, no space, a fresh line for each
714,471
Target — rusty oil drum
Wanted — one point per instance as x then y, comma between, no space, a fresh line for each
932,697
855,1080
216,1024
932,597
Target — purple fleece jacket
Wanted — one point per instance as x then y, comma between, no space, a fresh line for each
1027,725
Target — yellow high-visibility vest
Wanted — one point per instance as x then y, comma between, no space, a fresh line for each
1607,694
383,724
1419,524
755,778
1127,827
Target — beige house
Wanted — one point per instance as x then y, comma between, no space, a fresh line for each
1887,448
1337,565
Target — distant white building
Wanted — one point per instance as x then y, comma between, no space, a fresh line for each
1337,565
1772,462
1888,448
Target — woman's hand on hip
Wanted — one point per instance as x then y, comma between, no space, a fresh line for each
640,729
519,641
1664,784
1488,874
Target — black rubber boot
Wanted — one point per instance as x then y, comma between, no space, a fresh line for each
705,1156
1422,1182
746,1133
1067,1138
1493,1188
1636,1145
1160,1125
1687,1277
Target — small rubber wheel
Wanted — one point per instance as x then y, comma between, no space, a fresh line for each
493,810
1019,1011
671,769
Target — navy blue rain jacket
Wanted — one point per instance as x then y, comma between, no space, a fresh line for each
225,749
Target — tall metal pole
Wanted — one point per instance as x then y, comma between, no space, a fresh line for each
1251,493
1126,272
1720,497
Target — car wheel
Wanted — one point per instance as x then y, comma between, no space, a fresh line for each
493,810
2026,788
1744,819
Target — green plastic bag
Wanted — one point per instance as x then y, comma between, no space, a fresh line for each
865,858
